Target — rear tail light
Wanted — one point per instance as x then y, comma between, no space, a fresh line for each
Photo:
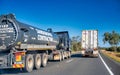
18,56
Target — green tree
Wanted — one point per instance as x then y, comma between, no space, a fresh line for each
76,44
112,38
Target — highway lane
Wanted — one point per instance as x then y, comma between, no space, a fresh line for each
76,65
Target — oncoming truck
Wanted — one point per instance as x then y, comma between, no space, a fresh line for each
27,47
89,43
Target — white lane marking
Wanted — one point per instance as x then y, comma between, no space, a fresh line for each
111,73
69,61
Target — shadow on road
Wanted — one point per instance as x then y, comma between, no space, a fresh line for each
53,61
11,71
17,71
80,56
76,56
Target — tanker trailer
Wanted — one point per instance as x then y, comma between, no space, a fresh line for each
24,46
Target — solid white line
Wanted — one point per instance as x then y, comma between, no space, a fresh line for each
111,73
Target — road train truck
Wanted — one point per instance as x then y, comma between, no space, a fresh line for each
27,47
89,43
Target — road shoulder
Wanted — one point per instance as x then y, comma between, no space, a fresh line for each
111,64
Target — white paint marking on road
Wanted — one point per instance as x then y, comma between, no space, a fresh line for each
69,61
111,73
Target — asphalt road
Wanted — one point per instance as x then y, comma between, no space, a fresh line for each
76,65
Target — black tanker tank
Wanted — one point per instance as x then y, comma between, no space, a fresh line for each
14,34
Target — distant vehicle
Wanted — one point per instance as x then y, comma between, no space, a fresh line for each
28,47
90,43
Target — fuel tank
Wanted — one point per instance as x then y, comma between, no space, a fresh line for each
14,33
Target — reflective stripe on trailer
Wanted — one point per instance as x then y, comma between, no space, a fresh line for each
18,65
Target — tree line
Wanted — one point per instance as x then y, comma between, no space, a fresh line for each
76,43
113,38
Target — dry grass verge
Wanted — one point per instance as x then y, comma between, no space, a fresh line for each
114,55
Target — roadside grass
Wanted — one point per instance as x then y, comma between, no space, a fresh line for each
114,55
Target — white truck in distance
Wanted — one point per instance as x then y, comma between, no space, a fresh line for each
89,43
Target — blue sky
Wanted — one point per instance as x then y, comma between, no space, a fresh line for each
71,15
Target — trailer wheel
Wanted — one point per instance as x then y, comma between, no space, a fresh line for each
69,54
37,59
66,55
44,60
63,56
60,56
29,63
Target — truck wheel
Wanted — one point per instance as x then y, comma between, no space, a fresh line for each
63,56
44,60
60,56
37,59
66,55
69,54
29,63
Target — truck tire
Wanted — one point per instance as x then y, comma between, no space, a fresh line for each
37,59
29,63
66,54
69,54
63,56
60,56
44,60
